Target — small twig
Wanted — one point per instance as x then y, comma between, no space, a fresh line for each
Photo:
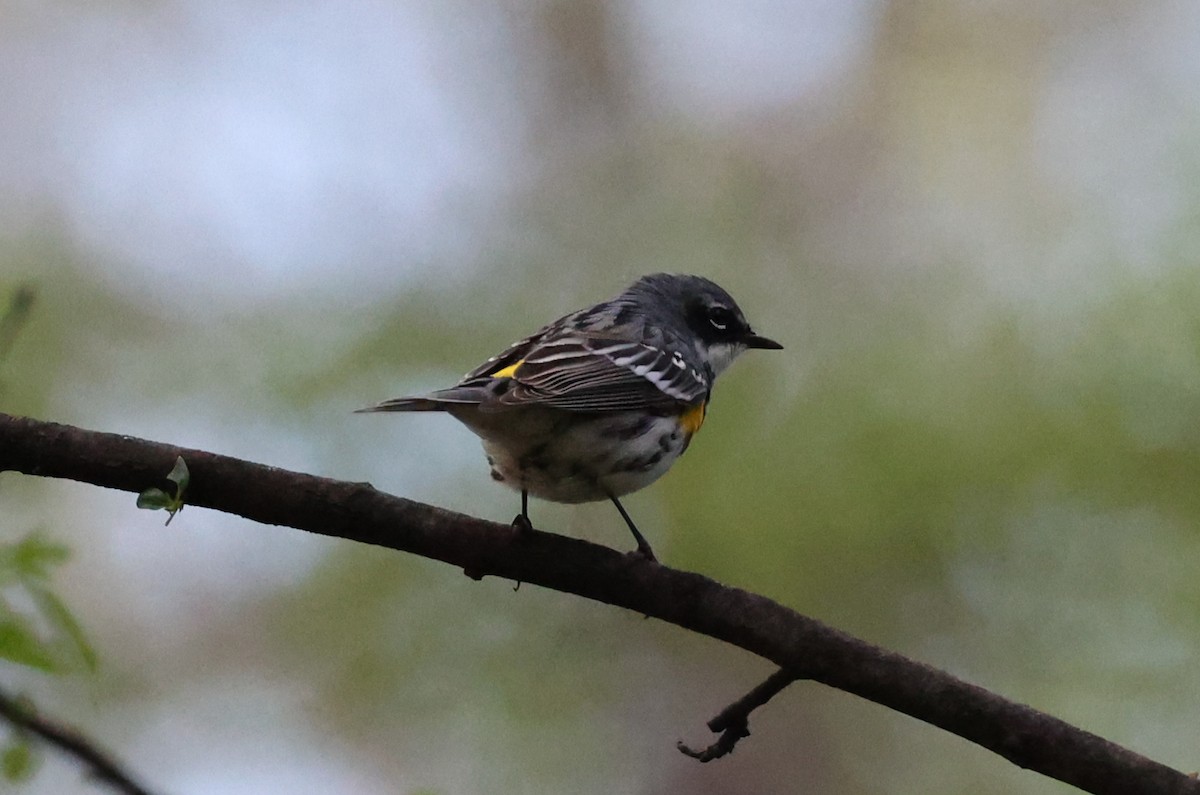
733,722
102,767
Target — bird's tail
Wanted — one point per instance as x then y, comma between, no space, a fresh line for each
441,400
404,404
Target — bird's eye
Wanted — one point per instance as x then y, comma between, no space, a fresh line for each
721,318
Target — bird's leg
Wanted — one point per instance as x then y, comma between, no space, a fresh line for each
643,547
521,522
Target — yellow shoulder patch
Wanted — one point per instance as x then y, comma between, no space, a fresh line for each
693,418
507,372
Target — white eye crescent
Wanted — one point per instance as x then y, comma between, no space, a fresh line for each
720,318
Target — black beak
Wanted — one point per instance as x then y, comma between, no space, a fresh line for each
752,340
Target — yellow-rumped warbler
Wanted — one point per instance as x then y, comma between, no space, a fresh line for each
601,402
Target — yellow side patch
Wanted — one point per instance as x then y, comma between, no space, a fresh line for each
693,418
508,372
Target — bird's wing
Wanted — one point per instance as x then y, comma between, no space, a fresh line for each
577,371
510,356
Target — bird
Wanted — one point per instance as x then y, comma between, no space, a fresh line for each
601,402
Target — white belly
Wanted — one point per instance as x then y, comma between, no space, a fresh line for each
571,457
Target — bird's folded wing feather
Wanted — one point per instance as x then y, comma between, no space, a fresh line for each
579,372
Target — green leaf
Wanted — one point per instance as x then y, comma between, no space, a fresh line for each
180,476
31,558
153,500
63,621
18,762
15,317
20,644
49,638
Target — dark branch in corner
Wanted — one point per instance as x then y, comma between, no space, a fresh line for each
102,767
803,646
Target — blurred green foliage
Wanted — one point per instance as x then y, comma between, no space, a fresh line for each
37,629
45,635
18,761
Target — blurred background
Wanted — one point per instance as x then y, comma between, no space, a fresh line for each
973,225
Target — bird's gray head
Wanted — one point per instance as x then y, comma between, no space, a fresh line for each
711,316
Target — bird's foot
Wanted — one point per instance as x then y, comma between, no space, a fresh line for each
644,551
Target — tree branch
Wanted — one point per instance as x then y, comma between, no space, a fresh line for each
804,646
733,722
102,767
